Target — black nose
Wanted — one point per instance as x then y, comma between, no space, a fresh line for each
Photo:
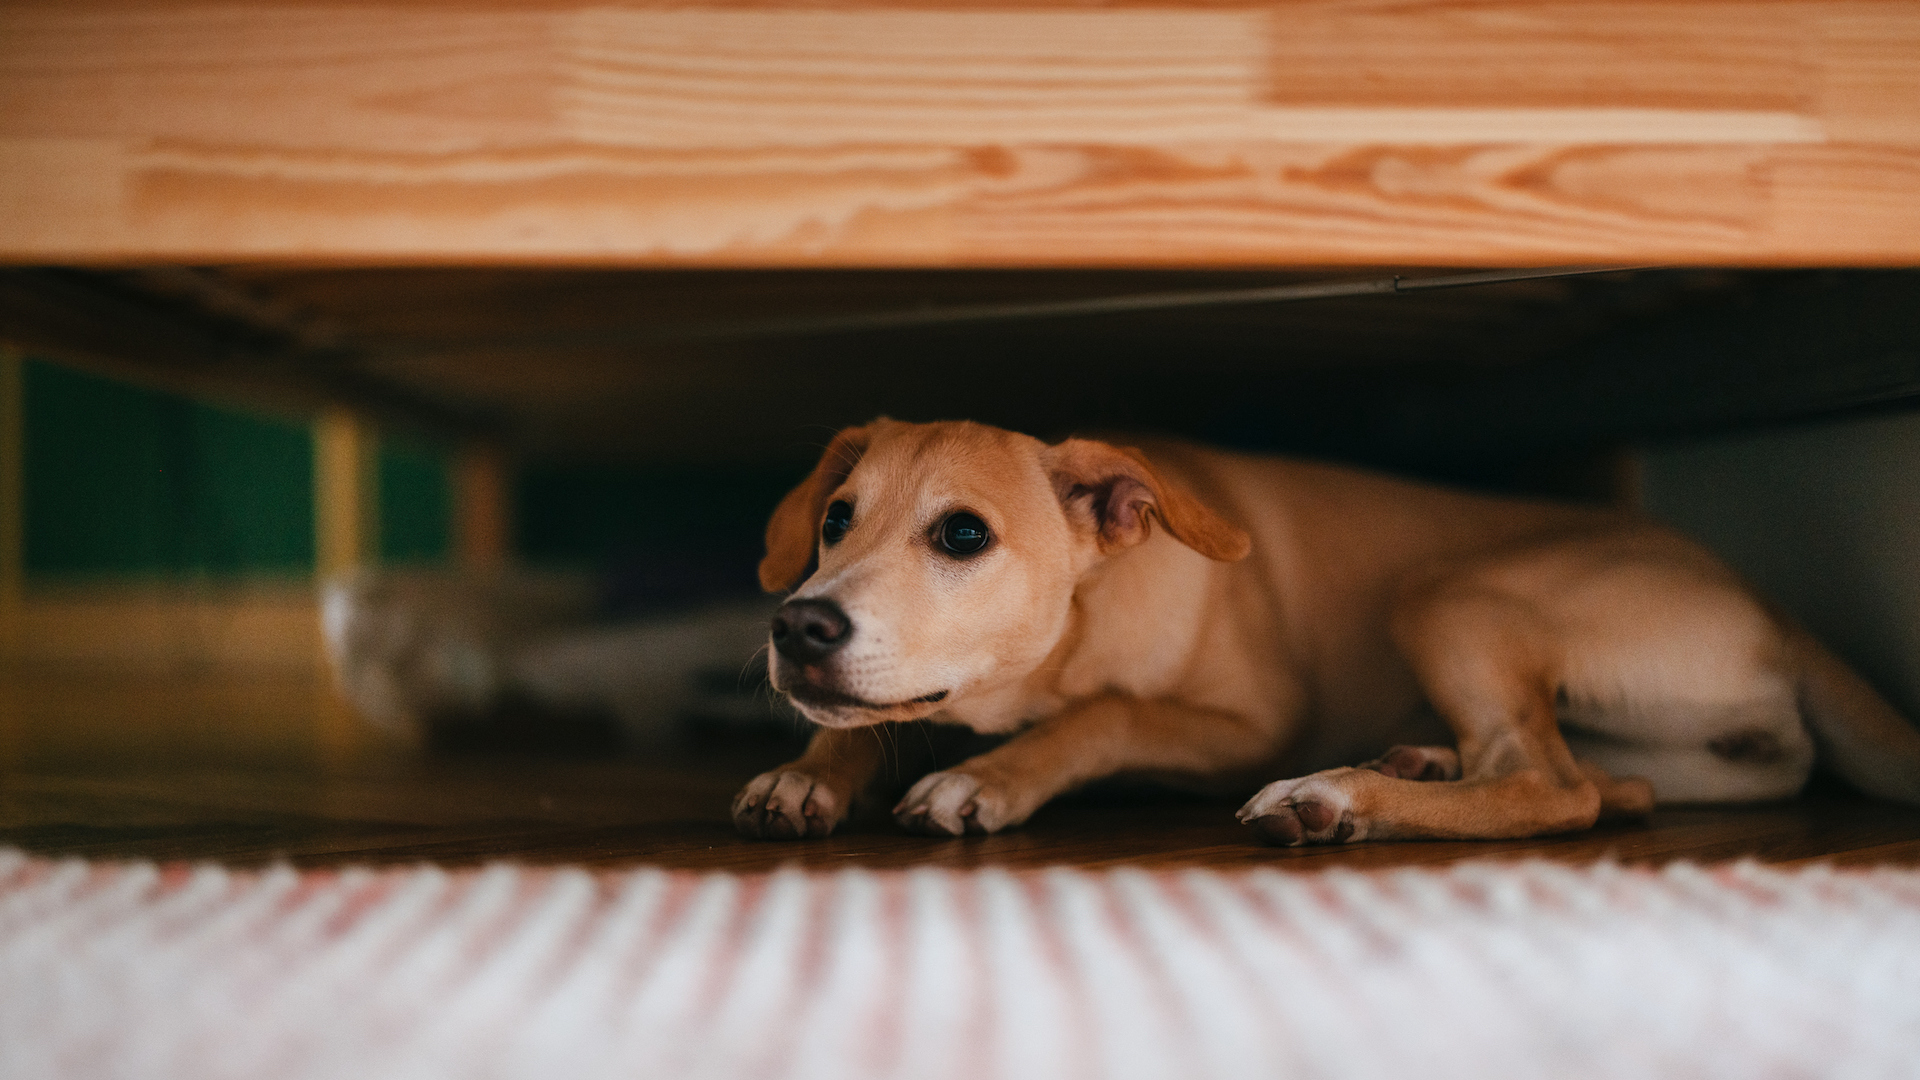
806,631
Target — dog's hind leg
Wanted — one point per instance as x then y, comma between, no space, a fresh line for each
1864,739
1618,798
1486,665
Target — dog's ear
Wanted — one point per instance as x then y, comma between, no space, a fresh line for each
794,528
1117,493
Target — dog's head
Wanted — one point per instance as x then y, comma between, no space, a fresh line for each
947,559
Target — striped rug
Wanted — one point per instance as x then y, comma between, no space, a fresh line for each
1482,970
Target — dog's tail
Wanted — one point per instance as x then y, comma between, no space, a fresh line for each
1857,733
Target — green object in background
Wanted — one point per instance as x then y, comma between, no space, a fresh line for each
416,504
125,480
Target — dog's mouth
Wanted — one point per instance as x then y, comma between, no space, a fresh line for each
808,694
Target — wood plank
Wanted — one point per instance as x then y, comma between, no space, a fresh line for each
1546,56
785,134
669,809
122,765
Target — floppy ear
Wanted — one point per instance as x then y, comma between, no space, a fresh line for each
795,526
1116,492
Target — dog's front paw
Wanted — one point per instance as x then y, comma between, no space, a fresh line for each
1315,809
788,805
954,803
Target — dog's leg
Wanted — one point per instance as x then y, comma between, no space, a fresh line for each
1487,666
812,795
1620,797
1093,740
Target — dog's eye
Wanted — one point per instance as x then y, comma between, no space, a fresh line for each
839,520
963,534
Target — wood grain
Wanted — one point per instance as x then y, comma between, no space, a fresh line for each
902,134
257,764
670,810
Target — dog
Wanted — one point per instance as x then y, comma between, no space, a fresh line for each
1390,660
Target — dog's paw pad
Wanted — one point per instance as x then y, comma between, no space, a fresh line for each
1304,823
1316,816
1282,827
1426,763
1310,810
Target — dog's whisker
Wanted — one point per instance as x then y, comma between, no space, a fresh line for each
880,743
748,666
933,756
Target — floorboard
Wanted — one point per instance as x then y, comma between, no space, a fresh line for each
669,808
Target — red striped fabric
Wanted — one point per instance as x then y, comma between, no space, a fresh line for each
1493,969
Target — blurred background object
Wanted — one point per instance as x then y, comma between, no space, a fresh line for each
164,553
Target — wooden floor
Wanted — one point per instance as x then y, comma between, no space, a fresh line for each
669,808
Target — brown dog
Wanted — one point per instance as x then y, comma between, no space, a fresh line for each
1531,666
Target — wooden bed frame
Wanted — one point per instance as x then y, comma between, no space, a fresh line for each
1310,137
949,134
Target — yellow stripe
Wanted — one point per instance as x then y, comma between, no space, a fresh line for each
345,504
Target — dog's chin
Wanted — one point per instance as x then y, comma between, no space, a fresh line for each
837,716
835,709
